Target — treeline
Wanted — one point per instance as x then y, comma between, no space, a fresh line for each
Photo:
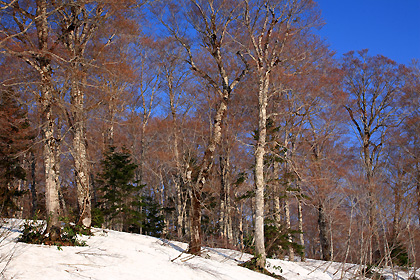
219,123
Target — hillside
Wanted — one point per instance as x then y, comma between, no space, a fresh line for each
116,255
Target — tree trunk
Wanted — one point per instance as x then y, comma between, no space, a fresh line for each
323,234
276,198
195,238
51,183
33,186
200,177
259,169
418,189
225,218
259,206
397,210
222,213
179,212
300,227
50,145
288,228
241,227
80,153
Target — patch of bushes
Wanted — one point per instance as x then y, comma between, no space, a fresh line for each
276,240
252,265
35,232
399,255
369,272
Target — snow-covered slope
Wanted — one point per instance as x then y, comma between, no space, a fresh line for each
117,255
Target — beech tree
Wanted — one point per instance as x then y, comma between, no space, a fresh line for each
212,23
373,84
27,35
79,23
270,26
411,126
176,77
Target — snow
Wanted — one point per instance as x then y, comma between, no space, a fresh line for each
116,255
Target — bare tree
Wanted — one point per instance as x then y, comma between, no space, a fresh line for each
374,84
26,34
270,26
213,23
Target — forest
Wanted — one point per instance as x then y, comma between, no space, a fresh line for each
220,123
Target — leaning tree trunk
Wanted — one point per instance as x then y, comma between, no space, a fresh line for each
200,178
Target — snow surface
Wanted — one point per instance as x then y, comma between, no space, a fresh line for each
117,255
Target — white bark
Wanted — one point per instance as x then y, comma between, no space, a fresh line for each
50,146
259,169
300,227
288,227
80,157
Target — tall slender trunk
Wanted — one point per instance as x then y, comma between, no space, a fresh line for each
34,208
323,234
50,165
241,226
300,227
276,198
110,124
48,124
200,177
225,207
397,210
288,228
195,233
141,163
179,174
179,212
222,214
418,189
80,152
259,169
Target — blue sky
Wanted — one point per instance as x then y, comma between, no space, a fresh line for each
387,27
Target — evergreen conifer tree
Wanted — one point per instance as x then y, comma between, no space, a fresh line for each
15,139
120,200
119,203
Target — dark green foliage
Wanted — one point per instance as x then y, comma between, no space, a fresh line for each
249,243
248,194
252,265
70,231
15,138
121,200
399,255
34,232
370,272
98,218
240,179
276,239
154,223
